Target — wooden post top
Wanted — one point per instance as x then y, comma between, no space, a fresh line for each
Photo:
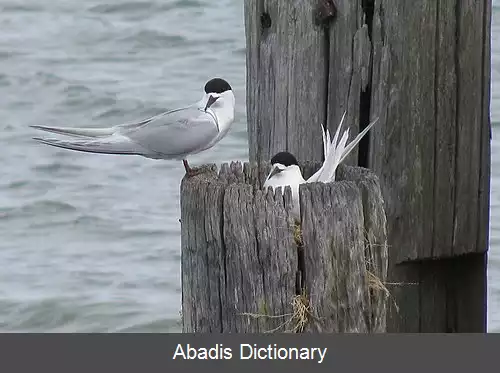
247,266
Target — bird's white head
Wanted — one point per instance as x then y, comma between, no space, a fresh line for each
219,98
218,95
284,171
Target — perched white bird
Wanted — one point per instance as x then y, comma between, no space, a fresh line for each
285,169
173,134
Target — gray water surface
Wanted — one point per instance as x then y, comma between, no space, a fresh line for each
89,242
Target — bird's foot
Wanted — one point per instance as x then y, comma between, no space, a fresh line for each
194,171
190,172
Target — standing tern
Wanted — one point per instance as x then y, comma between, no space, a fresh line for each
173,134
285,169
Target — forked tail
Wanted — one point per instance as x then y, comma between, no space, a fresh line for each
336,151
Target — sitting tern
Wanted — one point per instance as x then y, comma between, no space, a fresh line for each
285,169
173,134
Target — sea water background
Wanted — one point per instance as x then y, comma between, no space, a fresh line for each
91,243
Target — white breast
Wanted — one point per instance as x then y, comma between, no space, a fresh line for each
290,177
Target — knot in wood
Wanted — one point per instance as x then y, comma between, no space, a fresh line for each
325,12
265,20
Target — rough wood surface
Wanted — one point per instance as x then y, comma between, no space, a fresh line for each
286,75
432,90
334,256
302,73
405,158
431,153
375,232
238,254
244,269
348,67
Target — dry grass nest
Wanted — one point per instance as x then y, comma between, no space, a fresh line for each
297,234
295,322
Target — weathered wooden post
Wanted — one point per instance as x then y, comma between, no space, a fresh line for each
423,67
431,87
247,267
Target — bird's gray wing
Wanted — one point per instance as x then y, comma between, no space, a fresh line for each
175,133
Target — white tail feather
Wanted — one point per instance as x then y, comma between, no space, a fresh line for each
328,139
326,143
81,132
120,145
327,148
337,133
335,152
333,159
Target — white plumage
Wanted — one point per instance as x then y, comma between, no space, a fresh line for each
285,170
173,134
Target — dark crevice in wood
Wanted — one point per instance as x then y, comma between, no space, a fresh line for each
207,257
364,120
457,116
368,9
301,269
222,287
382,23
327,76
366,95
259,258
350,80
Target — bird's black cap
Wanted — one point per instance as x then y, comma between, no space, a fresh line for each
217,85
284,158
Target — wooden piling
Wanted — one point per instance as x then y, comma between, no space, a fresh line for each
432,155
247,266
423,68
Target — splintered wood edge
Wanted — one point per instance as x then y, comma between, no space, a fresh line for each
253,173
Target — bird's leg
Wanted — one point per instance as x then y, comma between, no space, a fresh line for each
190,172
186,166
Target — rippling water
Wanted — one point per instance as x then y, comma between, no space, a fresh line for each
91,243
